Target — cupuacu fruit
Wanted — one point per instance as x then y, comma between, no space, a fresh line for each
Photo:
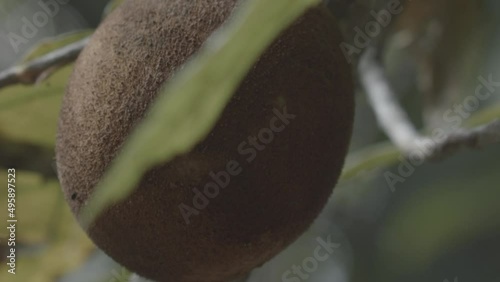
281,141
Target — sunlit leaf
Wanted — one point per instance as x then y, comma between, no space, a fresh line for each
30,113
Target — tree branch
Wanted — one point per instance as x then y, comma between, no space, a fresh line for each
475,138
391,117
394,121
39,69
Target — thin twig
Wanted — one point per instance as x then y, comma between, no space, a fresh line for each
34,71
473,139
394,121
392,118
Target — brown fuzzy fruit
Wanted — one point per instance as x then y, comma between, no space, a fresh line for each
246,191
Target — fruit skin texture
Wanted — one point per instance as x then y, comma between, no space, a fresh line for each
276,196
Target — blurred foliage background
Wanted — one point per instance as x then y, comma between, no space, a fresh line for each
441,223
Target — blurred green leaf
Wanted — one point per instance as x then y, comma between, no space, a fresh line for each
35,201
443,214
191,103
51,44
374,156
51,240
484,116
30,113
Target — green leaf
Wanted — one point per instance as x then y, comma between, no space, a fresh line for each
29,113
54,43
374,156
45,232
484,116
192,102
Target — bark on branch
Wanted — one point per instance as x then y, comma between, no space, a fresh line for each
394,121
39,69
